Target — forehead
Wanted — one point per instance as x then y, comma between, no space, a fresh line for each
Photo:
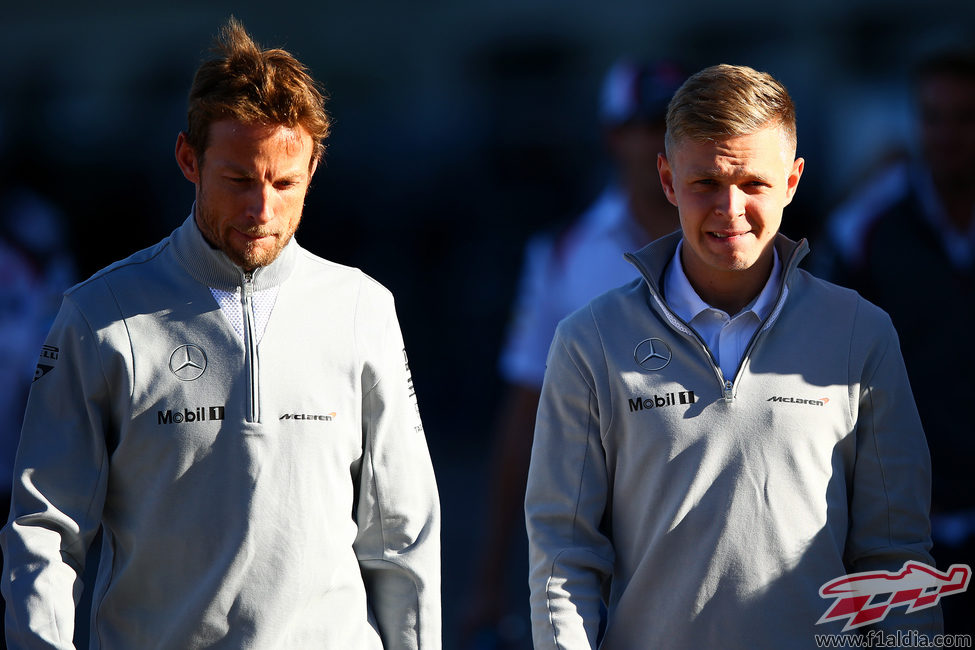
769,146
234,139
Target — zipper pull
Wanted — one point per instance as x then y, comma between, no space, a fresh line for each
728,386
248,286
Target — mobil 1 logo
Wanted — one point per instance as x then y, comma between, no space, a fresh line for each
648,402
190,415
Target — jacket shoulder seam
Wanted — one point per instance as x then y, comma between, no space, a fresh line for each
867,390
104,378
602,349
132,260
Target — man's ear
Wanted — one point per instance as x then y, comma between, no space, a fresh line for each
666,178
792,182
187,159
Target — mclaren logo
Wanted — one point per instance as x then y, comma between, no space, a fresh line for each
188,362
328,417
822,401
652,354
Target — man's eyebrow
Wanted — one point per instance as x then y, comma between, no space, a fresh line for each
736,172
704,171
226,165
243,172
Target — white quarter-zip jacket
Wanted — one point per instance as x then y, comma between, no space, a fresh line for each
707,513
254,491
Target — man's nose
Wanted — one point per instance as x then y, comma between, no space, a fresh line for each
261,203
731,201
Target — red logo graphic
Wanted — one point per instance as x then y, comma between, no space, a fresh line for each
860,597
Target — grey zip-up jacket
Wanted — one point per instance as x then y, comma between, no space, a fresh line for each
708,513
271,494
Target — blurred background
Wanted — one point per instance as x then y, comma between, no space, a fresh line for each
460,129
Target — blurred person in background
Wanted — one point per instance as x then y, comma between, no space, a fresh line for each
35,267
906,241
561,272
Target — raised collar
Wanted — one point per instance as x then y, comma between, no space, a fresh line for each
686,303
652,259
212,267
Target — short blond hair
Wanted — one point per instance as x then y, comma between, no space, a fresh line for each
249,84
725,101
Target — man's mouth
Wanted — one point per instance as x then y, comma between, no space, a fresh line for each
727,235
255,235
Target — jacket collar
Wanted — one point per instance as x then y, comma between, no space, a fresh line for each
652,259
213,268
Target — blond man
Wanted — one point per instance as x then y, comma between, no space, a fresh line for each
234,413
720,438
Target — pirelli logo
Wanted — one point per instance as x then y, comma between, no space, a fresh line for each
660,401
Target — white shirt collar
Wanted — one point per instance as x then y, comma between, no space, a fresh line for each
684,301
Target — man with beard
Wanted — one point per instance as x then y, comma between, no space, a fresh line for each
235,413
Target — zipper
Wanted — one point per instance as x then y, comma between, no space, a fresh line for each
727,385
251,362
787,269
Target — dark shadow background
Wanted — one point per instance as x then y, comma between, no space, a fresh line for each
460,128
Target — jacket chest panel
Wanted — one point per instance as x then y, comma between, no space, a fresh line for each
192,386
779,421
688,456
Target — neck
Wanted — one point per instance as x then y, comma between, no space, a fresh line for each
731,291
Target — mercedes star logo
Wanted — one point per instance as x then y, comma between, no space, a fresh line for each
652,354
188,362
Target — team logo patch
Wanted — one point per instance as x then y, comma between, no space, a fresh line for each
188,362
47,360
652,354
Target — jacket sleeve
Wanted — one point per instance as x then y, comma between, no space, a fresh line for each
891,485
566,502
60,479
398,508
